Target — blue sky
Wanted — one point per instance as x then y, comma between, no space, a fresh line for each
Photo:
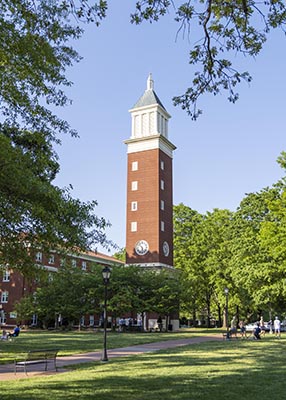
229,151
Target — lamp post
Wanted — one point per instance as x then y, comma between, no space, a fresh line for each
226,312
105,275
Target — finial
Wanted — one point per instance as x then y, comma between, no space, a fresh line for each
150,82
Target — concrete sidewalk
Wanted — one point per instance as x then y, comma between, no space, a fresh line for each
7,371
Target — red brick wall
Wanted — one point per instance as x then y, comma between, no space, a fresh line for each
148,214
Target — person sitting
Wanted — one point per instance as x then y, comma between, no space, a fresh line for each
15,332
4,335
257,332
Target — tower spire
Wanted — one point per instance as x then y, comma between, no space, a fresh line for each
150,82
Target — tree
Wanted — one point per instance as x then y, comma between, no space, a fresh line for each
202,252
34,55
35,214
35,52
166,294
214,28
257,268
71,293
186,221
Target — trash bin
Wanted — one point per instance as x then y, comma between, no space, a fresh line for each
170,327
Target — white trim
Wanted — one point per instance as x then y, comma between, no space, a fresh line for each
136,145
150,265
49,268
150,107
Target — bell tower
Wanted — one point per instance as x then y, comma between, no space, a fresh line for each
149,217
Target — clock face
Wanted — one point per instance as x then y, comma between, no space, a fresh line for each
141,247
166,249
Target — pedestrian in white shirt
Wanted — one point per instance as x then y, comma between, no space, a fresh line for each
277,327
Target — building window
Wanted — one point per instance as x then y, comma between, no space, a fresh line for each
73,263
162,165
2,317
134,206
4,297
91,320
6,275
162,226
134,185
51,259
83,265
162,205
62,262
34,320
39,256
162,184
134,166
133,226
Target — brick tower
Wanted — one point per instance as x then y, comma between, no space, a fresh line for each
149,218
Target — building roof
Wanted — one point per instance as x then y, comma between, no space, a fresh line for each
149,97
103,257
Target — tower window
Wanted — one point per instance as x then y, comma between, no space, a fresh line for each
162,226
134,206
162,184
162,205
134,185
144,124
162,165
133,226
134,166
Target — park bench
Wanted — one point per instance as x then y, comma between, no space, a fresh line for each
229,336
36,357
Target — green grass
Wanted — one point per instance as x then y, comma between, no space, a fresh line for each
226,370
73,342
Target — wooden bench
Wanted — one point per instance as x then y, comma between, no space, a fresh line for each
36,357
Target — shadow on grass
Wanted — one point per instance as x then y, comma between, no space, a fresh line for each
206,371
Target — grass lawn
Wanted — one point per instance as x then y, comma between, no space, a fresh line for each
72,342
226,370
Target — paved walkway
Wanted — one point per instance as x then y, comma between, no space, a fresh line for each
7,371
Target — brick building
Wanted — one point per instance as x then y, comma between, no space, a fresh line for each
13,285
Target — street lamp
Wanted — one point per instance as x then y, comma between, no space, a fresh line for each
226,312
105,275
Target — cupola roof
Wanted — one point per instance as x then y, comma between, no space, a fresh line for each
149,97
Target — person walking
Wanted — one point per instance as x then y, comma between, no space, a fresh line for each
242,329
277,327
233,327
262,326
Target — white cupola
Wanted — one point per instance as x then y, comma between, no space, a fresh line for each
149,116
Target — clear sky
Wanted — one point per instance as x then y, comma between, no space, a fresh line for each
229,151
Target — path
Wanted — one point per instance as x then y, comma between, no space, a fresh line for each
7,371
